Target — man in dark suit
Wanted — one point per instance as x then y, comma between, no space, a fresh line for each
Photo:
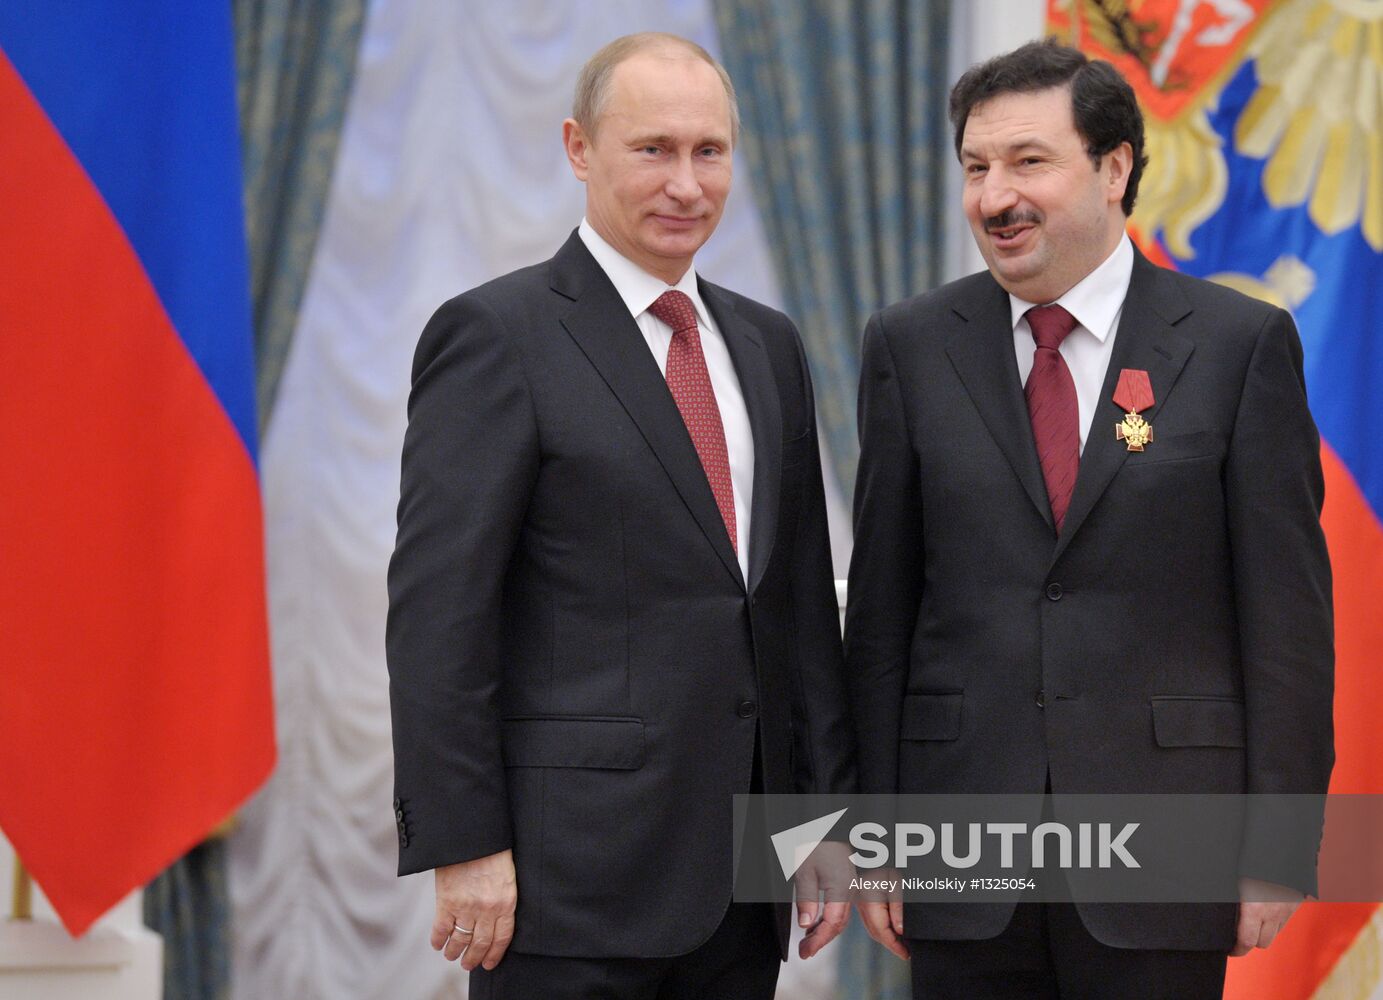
1035,603
611,606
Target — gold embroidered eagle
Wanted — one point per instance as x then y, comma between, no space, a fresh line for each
1316,116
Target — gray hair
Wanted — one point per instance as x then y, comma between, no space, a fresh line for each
593,85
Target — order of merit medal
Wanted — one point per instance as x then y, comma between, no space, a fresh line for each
1133,393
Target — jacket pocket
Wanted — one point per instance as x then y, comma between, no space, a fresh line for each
609,742
1198,721
1192,447
931,716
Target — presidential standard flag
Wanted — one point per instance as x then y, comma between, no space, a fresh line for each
1265,131
135,707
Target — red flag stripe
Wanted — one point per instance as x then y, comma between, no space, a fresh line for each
1320,933
135,711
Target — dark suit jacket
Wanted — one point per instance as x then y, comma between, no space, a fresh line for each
577,667
1177,637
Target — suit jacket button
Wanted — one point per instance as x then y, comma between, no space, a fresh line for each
1054,591
403,840
398,804
1041,700
747,710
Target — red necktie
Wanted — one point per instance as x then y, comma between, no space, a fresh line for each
690,384
1051,394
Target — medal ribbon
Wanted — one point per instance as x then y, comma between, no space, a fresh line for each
1134,391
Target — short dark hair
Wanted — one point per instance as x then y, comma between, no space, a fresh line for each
1103,104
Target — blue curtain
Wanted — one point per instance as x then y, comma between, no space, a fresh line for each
843,103
294,62
866,971
188,905
844,110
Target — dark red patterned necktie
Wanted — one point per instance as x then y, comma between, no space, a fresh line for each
690,384
1052,407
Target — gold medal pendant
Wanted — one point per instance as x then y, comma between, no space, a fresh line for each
1133,393
1134,430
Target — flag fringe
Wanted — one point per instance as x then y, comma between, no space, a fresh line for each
1359,971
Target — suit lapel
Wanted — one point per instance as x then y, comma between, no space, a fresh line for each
601,325
765,421
1146,340
983,356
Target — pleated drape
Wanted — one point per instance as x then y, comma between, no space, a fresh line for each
844,109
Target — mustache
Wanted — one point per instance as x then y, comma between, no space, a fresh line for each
1007,220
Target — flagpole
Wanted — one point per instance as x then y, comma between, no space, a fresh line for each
22,903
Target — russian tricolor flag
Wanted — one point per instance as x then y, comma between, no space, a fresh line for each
1337,279
135,702
1266,188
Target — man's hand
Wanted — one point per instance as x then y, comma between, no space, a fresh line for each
1263,912
475,910
882,914
827,869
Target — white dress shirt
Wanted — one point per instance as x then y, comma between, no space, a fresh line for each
1097,302
639,290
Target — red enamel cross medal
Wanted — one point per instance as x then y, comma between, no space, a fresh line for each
1134,393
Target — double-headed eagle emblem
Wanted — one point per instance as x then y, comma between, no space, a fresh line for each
1315,117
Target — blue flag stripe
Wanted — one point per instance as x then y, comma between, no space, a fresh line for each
1341,320
143,92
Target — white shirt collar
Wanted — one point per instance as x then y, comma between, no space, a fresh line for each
1096,299
635,286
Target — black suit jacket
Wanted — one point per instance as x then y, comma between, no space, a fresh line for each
1177,637
577,667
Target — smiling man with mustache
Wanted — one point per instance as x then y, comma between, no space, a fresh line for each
1088,556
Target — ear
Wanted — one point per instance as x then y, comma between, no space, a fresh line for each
1120,161
577,145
